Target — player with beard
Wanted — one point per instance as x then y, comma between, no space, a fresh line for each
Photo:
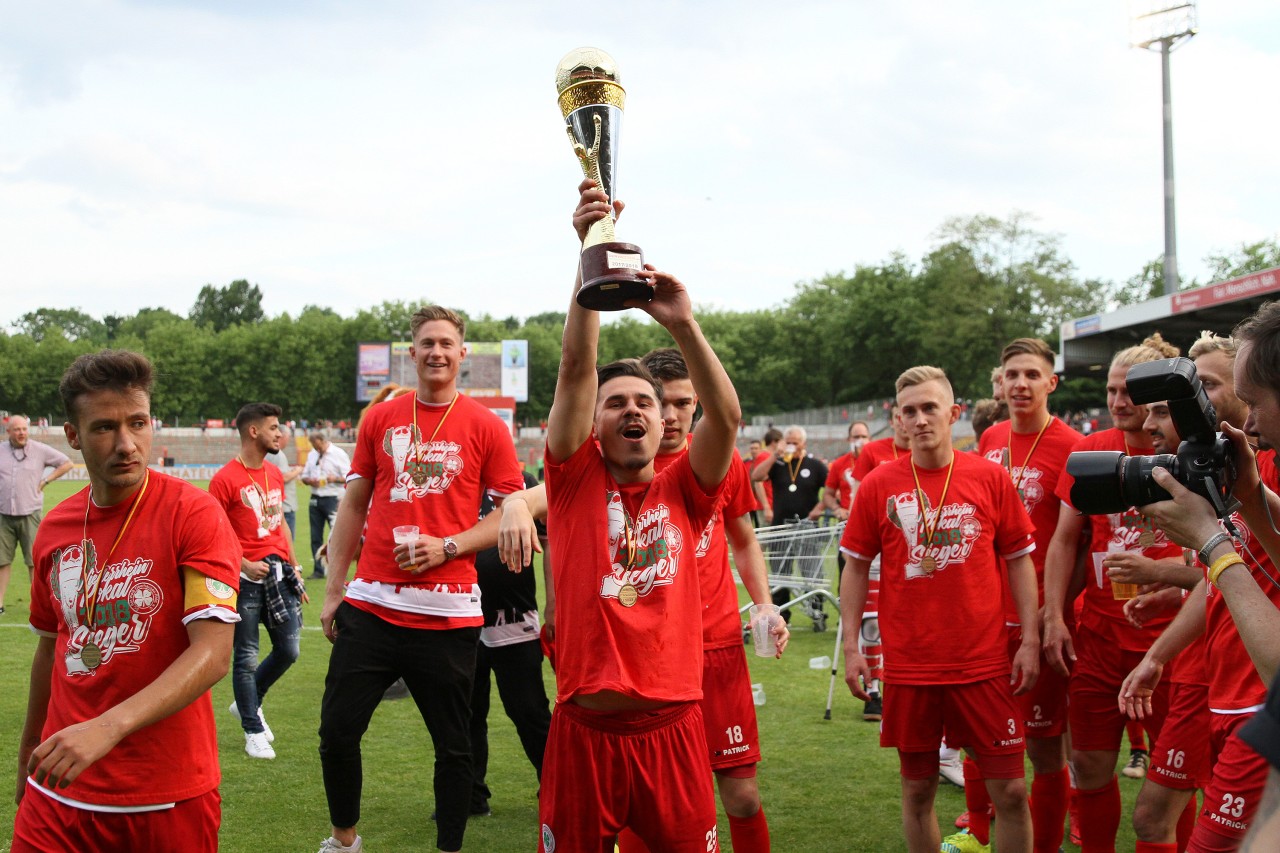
1106,644
1032,447
627,746
133,601
728,712
1205,626
954,535
272,593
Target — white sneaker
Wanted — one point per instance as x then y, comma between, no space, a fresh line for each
266,730
331,845
952,770
256,745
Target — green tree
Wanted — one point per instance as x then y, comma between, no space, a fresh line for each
1245,259
69,322
222,307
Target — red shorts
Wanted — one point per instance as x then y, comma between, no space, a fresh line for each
643,770
728,712
981,715
43,824
1239,775
1094,711
1044,707
1180,760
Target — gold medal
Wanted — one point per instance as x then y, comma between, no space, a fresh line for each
91,655
418,473
1147,539
628,595
928,564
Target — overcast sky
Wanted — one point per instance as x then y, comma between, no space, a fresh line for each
346,153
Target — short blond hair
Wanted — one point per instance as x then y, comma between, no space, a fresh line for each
1209,342
1153,348
921,374
427,313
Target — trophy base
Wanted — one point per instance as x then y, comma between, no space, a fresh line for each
610,277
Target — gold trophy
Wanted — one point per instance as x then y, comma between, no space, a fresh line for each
591,102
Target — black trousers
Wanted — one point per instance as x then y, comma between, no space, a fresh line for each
437,666
518,670
321,511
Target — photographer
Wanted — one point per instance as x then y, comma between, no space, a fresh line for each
1244,584
1109,646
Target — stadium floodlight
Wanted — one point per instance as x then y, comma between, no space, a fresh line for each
1162,26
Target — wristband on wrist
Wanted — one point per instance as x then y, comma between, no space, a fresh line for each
1222,564
1214,541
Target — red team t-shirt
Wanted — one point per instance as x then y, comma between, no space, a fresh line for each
651,649
923,614
139,629
874,454
768,486
252,498
840,479
1103,614
1036,478
721,624
433,483
1234,683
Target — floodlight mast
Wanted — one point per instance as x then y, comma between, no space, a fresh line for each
1160,26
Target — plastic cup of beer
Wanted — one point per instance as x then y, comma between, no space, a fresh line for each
406,535
1123,591
762,617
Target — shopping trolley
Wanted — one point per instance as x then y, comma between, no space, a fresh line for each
801,556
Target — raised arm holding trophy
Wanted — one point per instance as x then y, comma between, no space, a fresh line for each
591,101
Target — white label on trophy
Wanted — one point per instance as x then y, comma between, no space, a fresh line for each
623,261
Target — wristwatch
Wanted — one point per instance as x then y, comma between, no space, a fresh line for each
450,548
1214,541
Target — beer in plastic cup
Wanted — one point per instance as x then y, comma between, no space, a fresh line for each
763,617
406,535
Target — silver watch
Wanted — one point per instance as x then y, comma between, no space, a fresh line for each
1214,541
450,548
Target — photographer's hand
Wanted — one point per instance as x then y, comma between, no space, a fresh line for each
1188,519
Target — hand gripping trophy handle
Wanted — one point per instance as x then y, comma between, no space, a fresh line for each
591,102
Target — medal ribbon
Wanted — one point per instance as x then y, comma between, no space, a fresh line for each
924,512
434,432
795,471
91,603
1022,472
265,481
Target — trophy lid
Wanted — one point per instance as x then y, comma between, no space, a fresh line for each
585,63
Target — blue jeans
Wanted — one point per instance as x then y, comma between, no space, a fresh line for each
251,680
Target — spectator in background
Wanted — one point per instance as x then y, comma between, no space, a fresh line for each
987,413
326,473
763,488
22,481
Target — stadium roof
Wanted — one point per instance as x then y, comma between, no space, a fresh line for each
1087,343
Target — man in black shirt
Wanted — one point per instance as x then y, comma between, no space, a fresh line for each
511,651
797,479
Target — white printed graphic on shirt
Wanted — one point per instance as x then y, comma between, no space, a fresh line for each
656,557
420,469
125,602
955,528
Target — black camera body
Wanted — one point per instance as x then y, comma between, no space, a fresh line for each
1108,481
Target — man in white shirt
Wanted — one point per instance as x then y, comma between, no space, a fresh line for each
325,472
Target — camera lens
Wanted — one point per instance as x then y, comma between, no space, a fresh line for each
1099,484
1136,485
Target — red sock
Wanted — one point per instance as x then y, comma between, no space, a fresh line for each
1155,847
629,842
977,801
1099,818
749,834
1187,822
1137,735
1049,809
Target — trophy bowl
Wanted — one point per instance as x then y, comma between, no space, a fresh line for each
591,101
